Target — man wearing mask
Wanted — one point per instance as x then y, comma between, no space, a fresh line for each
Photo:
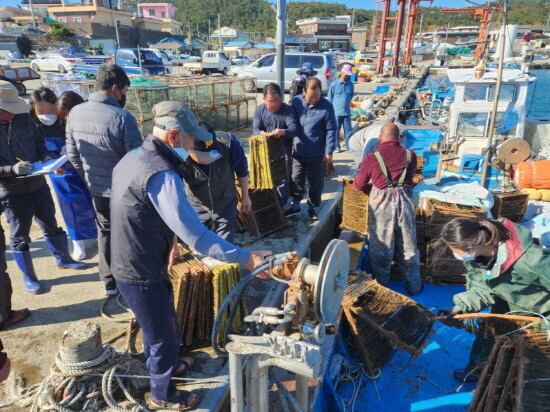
277,120
392,227
209,174
340,95
149,206
23,196
99,133
312,147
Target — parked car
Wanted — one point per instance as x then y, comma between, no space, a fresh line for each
263,70
133,61
56,62
240,61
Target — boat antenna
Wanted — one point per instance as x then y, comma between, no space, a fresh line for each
491,131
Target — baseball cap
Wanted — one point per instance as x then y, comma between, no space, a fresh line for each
346,68
307,68
175,115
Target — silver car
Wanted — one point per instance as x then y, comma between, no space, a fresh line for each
263,70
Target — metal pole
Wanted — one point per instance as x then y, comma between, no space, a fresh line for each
116,31
236,382
256,388
420,28
32,14
302,388
219,33
281,34
491,131
398,34
139,60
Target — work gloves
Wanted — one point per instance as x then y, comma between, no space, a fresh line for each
449,312
22,168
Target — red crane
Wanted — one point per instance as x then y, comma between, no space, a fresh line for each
484,14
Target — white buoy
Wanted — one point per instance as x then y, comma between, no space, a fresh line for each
367,104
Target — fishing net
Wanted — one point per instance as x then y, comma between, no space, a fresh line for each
355,207
382,320
438,213
221,101
516,376
511,205
266,216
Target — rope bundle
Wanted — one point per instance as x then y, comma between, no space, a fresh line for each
84,386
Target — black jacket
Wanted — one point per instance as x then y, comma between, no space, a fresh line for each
21,139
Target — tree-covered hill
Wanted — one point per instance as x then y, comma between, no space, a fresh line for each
257,15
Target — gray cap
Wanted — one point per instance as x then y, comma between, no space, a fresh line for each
175,115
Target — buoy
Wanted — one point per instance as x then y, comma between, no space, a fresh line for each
367,104
479,70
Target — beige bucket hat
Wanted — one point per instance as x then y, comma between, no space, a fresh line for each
10,100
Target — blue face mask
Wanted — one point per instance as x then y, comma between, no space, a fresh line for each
466,257
181,152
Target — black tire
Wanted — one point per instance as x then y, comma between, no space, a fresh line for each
61,69
21,89
224,71
35,67
249,86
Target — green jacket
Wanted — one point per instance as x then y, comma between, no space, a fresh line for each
520,276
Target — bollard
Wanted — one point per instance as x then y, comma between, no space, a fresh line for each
81,342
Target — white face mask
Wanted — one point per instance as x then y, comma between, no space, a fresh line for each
47,119
466,257
181,152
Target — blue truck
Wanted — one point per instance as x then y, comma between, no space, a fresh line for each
133,61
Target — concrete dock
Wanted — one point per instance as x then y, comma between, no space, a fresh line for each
78,295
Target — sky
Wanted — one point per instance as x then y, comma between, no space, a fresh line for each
364,4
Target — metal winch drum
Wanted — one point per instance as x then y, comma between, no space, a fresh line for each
312,303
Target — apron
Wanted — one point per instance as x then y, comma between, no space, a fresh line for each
73,196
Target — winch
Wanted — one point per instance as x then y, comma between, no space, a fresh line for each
312,303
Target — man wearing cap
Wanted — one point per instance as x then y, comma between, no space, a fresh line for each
99,133
299,82
340,95
24,196
149,206
209,175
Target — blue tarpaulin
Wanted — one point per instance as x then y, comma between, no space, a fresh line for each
169,43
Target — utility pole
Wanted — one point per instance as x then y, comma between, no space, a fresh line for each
208,40
219,32
352,19
32,14
117,22
281,34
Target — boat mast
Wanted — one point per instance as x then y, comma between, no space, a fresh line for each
491,131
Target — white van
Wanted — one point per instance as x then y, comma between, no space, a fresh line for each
264,70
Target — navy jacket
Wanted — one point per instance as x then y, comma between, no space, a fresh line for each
21,139
317,127
265,121
99,133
